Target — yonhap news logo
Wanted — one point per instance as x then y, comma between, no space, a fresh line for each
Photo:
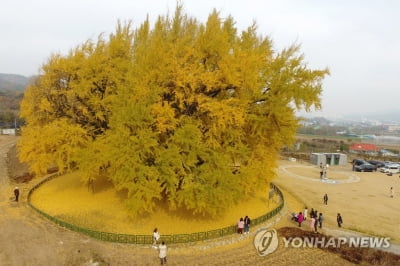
336,242
266,241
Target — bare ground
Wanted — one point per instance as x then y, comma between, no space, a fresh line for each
365,205
28,239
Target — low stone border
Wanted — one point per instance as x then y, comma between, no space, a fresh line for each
147,239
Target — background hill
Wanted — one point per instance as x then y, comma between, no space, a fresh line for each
12,88
13,82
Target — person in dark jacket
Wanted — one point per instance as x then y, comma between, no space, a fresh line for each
339,220
326,199
320,220
16,193
247,222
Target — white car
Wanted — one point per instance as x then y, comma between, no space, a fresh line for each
392,168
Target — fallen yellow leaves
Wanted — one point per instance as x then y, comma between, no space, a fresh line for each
66,198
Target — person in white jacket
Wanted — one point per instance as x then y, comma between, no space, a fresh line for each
163,253
156,237
305,213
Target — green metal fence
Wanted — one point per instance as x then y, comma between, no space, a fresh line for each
147,239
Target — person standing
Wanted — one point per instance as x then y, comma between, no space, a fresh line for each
312,222
305,213
316,224
240,226
163,253
247,222
294,216
326,199
325,169
300,218
16,193
339,220
391,192
320,220
156,237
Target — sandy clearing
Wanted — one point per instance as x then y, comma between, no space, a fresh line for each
365,205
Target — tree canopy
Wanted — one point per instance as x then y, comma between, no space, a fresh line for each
185,113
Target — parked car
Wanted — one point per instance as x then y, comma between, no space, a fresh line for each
391,169
359,162
366,167
378,164
387,163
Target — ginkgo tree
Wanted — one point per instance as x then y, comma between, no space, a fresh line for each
182,113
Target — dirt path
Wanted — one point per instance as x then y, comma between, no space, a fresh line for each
28,239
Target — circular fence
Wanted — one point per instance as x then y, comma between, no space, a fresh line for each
148,239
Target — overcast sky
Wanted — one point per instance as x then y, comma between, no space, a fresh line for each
358,40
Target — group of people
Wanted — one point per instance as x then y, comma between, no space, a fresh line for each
244,225
243,228
315,218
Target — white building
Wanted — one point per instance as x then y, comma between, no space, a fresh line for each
7,131
328,158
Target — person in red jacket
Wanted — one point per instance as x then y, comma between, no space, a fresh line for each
300,218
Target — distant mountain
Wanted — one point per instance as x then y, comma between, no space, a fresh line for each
392,116
12,89
13,82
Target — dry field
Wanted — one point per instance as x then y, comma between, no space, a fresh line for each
28,239
365,206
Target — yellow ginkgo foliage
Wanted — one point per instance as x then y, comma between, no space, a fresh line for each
186,113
